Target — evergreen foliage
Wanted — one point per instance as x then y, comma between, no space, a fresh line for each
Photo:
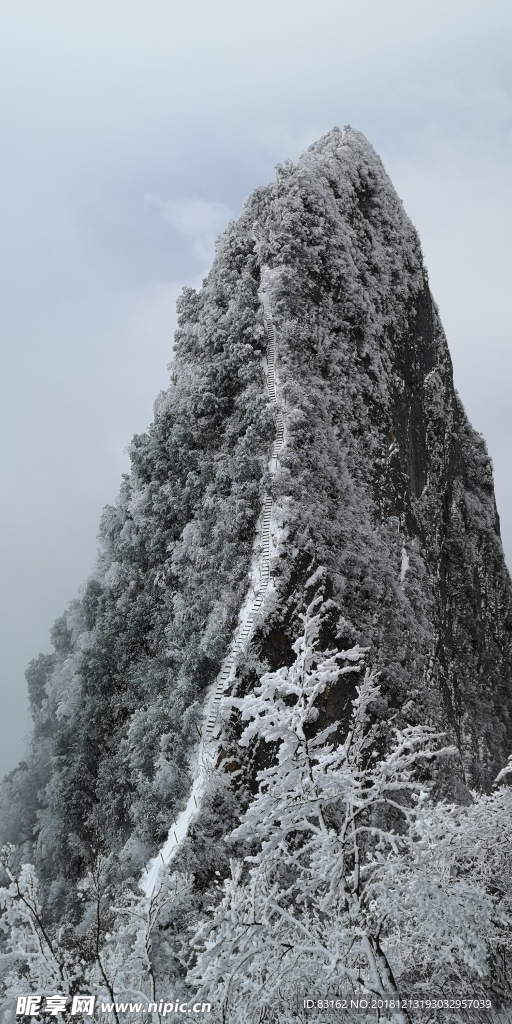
383,491
346,880
358,884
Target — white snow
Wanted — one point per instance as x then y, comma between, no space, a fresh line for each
270,533
405,565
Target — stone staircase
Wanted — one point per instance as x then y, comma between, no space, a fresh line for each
245,631
249,616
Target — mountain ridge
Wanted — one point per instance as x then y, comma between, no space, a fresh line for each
384,489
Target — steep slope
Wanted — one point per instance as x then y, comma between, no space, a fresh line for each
259,599
384,493
391,490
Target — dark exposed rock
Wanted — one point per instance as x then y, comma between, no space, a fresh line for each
383,468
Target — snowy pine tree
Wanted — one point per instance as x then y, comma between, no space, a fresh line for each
356,884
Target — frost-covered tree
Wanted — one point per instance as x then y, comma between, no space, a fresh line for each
108,953
355,884
33,958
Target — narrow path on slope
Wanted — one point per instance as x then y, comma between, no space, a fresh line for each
249,616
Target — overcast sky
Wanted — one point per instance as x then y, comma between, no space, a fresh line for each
131,131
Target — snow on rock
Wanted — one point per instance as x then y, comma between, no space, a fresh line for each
404,566
270,534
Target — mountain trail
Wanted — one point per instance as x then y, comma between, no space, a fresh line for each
249,617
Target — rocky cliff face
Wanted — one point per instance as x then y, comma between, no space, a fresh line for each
384,495
391,489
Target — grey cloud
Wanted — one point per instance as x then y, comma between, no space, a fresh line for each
130,134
